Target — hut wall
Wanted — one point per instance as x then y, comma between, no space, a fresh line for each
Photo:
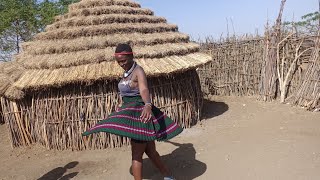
59,116
17,119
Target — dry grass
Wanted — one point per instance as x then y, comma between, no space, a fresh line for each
99,42
105,10
9,73
104,19
97,3
5,83
106,29
47,61
12,69
14,93
45,78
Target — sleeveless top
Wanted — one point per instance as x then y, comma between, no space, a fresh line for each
125,89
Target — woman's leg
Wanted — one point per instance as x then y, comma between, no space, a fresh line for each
155,158
137,150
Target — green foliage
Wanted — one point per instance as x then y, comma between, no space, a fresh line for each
47,10
311,16
17,23
19,16
20,20
64,5
309,23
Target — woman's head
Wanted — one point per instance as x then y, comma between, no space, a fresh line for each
124,56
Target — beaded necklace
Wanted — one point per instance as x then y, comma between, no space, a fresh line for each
127,73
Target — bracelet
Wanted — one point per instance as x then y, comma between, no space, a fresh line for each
148,104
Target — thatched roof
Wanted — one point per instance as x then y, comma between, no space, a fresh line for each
79,46
9,73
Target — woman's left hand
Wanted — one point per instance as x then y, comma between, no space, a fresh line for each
146,114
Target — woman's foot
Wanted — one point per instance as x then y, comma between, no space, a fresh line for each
168,178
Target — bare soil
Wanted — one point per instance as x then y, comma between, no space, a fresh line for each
238,139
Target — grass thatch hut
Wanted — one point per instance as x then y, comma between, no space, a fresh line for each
9,73
70,77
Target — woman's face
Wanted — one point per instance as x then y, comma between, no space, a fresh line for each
125,61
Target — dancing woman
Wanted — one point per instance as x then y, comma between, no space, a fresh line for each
138,118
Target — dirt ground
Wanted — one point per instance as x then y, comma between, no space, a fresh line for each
239,139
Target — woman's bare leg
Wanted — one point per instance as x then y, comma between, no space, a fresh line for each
137,150
155,158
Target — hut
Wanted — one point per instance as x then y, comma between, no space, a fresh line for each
70,78
9,73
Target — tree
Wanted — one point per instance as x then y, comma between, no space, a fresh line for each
309,23
20,20
47,10
64,5
17,24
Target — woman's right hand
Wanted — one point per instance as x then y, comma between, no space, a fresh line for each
146,114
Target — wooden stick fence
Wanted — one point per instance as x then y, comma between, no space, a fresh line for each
238,67
235,68
308,93
268,86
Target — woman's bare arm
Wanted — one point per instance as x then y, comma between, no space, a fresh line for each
143,85
145,94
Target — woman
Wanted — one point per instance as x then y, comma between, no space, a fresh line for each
137,118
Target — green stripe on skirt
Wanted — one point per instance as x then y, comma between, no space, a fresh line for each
126,122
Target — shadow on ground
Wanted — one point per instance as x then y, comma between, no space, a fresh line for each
59,172
212,109
182,162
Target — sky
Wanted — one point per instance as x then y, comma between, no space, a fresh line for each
213,18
